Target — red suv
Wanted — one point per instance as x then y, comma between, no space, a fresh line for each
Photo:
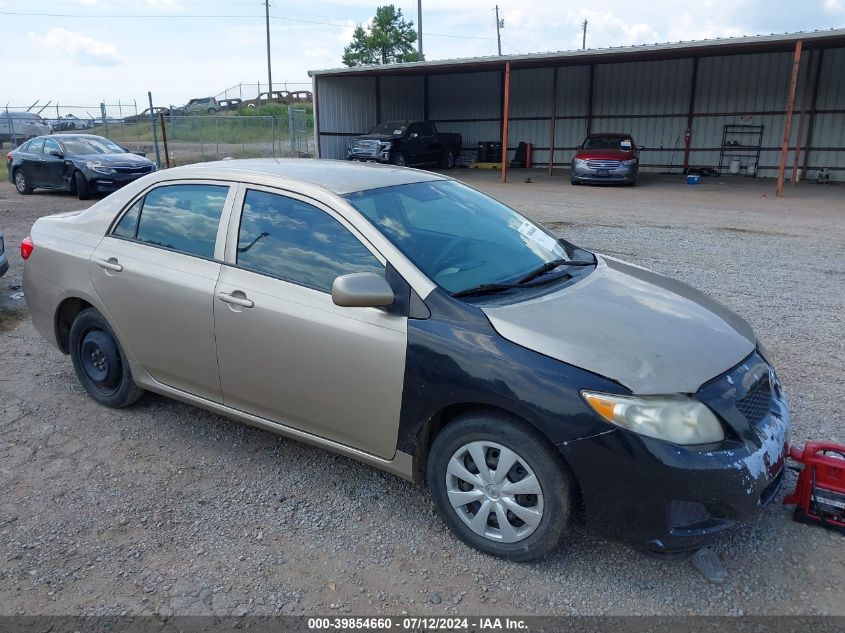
606,158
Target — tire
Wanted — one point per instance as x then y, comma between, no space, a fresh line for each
448,161
82,191
493,435
212,111
21,184
573,181
399,160
100,363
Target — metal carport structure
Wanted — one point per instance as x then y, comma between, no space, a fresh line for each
674,98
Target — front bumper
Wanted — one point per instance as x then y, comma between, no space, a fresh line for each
622,174
107,183
662,498
379,157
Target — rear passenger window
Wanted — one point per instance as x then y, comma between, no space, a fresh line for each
298,242
129,222
36,145
184,218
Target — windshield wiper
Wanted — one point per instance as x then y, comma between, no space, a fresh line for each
483,289
549,266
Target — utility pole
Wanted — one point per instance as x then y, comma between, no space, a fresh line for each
269,70
584,39
500,24
419,29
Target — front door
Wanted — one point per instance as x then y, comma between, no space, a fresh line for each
52,167
286,352
155,274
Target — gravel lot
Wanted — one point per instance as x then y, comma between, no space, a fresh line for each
164,508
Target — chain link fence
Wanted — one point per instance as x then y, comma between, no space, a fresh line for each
173,137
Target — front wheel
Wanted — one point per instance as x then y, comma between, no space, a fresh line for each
82,191
399,159
500,487
448,161
21,183
99,363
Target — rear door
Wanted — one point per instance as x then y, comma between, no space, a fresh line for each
156,272
31,162
286,352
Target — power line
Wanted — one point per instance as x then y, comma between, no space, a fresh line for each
89,16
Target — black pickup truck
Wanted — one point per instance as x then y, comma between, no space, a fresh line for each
406,143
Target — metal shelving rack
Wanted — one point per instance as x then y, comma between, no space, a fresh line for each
743,142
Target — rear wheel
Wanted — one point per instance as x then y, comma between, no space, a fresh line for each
82,191
21,183
500,487
212,110
99,362
399,159
448,161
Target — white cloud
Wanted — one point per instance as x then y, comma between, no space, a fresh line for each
345,35
170,5
834,6
84,49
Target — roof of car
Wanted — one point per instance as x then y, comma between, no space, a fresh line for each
338,176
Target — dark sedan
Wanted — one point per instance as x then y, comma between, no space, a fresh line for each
80,163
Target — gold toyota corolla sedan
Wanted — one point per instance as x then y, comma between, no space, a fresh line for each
409,321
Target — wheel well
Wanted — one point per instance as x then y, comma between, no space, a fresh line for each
440,420
68,310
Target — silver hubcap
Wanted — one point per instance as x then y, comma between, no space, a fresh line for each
20,183
494,491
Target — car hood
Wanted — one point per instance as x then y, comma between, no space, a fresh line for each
377,137
650,333
120,159
605,154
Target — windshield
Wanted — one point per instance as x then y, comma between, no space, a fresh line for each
391,128
91,146
459,237
623,143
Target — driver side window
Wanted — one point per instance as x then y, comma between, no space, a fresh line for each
51,145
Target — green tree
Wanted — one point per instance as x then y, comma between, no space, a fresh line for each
389,40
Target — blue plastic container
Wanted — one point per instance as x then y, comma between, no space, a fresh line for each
693,179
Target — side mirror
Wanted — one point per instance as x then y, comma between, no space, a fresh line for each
362,290
578,146
57,153
413,135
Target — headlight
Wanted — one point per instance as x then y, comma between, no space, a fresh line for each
676,418
385,145
629,163
98,167
579,161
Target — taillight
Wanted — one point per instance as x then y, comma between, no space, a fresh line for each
27,247
9,156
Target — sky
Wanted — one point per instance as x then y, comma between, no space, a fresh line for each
83,52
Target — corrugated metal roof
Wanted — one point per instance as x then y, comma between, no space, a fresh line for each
718,46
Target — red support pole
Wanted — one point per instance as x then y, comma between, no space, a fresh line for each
787,124
505,120
553,123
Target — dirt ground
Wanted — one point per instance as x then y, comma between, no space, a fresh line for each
164,508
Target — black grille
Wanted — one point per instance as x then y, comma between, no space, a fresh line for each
143,169
757,402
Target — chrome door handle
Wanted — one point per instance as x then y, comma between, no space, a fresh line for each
109,264
225,297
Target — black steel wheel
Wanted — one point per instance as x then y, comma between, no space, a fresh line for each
99,363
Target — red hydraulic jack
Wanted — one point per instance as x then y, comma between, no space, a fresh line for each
819,495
